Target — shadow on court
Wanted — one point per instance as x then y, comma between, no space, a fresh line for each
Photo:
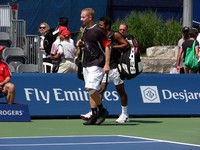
131,122
145,121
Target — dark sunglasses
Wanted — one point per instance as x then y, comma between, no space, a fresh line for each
42,27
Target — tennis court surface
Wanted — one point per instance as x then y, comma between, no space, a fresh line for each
97,142
71,134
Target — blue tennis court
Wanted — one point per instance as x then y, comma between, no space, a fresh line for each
117,142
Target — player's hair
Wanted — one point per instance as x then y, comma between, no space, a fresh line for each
106,20
63,21
90,12
124,24
193,32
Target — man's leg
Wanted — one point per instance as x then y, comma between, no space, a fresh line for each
93,77
93,104
124,104
9,89
122,93
98,114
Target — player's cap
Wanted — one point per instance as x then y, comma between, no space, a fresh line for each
66,33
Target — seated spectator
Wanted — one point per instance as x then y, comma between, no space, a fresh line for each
66,52
6,87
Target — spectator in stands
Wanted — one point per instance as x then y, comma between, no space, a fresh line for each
193,33
185,36
66,52
62,25
62,22
43,29
6,87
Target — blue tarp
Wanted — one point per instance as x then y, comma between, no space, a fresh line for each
36,11
164,8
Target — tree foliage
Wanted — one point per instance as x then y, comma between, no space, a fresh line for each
150,30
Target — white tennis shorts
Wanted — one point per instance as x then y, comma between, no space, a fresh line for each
113,76
93,77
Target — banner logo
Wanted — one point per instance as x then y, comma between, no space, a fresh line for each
150,94
61,95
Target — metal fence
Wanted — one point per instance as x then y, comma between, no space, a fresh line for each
6,19
17,32
32,51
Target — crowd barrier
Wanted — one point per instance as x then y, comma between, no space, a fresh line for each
148,94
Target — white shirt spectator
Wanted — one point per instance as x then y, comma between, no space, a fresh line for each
68,49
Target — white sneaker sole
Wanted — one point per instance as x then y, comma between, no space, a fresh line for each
122,121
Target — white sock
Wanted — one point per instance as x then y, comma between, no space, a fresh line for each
124,110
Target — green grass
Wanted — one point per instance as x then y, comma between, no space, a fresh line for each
186,130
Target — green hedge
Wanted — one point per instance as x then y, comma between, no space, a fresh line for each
150,30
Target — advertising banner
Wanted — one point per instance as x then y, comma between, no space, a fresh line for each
14,113
148,94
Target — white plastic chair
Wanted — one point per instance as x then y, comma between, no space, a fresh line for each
45,66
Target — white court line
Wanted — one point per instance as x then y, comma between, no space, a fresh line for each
180,143
74,136
68,144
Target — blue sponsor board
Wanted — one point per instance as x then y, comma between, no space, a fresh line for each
14,113
148,94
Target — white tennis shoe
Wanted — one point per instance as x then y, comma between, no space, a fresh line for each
86,116
122,118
